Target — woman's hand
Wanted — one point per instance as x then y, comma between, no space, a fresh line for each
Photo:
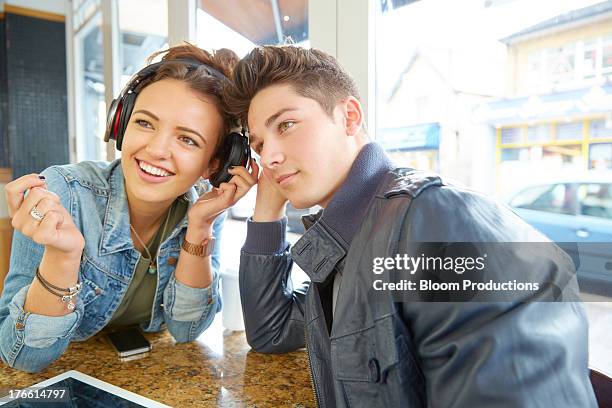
38,214
203,213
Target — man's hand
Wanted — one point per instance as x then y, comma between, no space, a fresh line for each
270,201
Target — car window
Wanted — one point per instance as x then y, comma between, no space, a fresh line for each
556,198
595,199
526,197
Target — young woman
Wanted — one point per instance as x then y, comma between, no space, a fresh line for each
129,242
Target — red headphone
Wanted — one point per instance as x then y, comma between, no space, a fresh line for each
234,150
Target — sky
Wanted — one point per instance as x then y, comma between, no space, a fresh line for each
470,20
465,27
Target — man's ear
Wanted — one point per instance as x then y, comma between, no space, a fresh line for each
353,115
213,166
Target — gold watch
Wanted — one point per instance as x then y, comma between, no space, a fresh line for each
203,250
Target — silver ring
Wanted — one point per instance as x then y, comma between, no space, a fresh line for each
37,215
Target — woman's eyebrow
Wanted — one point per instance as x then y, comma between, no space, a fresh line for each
146,112
184,129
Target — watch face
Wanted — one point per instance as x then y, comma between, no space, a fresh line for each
209,246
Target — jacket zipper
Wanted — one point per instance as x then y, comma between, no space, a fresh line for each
310,375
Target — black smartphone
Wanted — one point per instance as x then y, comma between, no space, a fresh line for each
129,342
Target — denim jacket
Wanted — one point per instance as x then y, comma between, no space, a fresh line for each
94,195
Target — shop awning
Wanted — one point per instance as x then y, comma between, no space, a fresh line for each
551,106
418,137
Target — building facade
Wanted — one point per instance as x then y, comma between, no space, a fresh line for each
556,117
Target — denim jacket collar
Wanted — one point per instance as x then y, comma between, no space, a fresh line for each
116,230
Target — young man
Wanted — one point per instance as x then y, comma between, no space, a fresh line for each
368,347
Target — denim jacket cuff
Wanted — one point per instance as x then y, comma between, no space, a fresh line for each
187,304
266,238
43,331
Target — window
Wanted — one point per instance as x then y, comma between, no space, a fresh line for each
90,107
595,200
600,129
569,131
606,65
144,30
515,154
526,197
511,135
539,133
560,63
590,60
493,78
557,198
582,60
242,25
565,155
83,10
600,156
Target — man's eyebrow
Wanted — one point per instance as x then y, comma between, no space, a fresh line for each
184,129
277,114
146,112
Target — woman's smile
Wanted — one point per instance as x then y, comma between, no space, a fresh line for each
151,173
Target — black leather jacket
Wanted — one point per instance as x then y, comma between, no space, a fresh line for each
416,354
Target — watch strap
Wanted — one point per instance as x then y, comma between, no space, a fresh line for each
202,250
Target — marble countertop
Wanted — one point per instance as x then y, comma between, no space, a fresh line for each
218,369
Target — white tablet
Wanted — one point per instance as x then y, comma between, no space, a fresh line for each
74,389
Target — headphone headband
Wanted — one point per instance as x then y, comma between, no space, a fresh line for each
121,108
150,70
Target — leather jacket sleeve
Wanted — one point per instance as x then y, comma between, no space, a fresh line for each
273,311
506,354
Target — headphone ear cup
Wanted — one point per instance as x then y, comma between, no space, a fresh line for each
127,106
233,152
110,120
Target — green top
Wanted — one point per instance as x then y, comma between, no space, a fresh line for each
138,300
